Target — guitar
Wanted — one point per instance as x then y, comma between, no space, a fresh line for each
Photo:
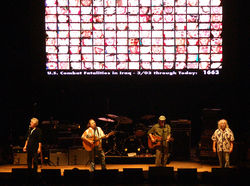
96,141
158,141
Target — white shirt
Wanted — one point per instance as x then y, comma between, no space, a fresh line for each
89,133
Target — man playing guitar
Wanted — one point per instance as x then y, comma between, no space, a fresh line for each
159,136
92,141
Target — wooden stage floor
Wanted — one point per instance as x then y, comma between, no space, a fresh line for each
176,164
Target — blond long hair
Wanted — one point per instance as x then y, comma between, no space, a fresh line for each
221,121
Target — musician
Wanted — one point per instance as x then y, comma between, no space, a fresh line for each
94,132
33,144
163,130
223,138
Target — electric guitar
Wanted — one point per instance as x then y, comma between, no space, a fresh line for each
158,141
96,141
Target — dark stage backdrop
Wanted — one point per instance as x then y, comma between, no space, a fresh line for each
31,93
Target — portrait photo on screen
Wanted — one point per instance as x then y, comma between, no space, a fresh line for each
134,36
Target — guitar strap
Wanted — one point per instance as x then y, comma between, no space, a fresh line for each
162,146
98,135
94,133
97,132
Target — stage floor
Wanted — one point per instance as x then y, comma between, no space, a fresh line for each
176,164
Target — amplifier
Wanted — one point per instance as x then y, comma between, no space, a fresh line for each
180,125
78,156
59,156
19,158
181,131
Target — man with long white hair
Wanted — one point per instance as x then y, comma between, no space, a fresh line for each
223,138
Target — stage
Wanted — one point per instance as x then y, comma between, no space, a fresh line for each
176,164
176,172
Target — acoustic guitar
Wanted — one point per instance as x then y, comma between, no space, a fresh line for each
158,141
96,141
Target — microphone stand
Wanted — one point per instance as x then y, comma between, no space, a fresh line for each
162,146
94,148
114,150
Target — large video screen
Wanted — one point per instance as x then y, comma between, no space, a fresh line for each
133,37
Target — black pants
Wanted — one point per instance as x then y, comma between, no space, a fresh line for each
32,158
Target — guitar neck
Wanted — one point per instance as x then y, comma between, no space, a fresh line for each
109,134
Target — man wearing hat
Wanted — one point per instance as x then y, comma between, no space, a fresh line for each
159,135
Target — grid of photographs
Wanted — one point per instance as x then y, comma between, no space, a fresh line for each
133,34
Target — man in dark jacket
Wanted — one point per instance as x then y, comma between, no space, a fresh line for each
33,144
